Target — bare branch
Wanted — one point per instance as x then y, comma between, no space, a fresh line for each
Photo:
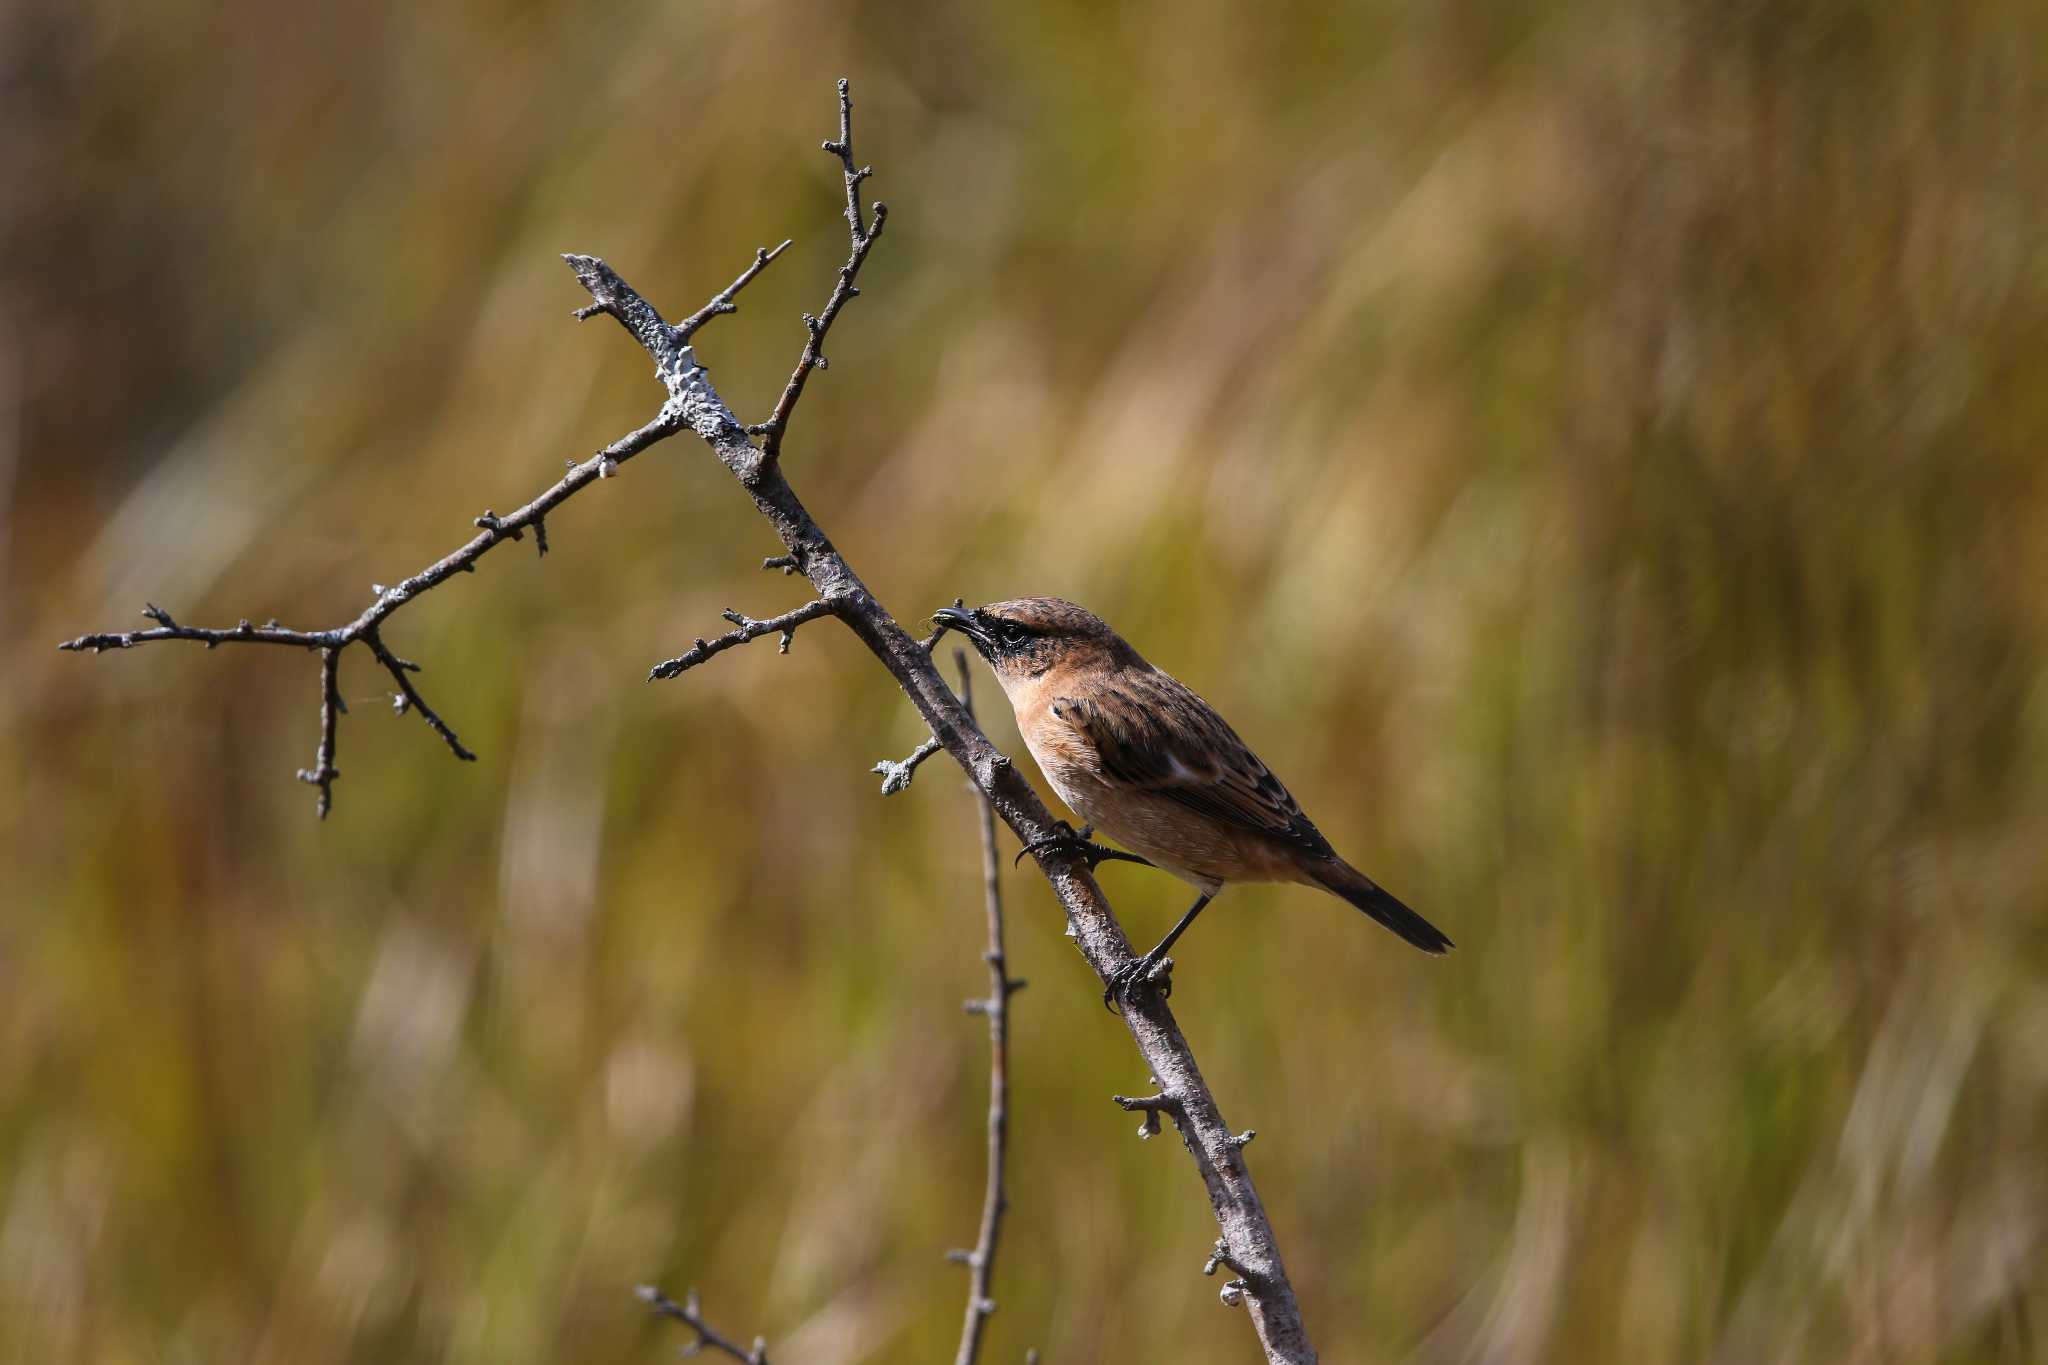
364,629
401,671
843,149
690,1314
646,324
723,300
862,239
323,772
1152,1106
996,1007
748,629
896,775
270,633
1240,1214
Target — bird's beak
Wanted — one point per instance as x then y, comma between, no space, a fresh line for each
962,620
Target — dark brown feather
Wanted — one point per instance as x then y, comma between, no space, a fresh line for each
1155,735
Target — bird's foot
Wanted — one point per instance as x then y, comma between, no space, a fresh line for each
1082,846
1138,975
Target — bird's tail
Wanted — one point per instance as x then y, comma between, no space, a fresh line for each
1341,878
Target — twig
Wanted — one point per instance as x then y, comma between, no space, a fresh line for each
1152,1106
896,775
323,773
492,530
1233,1291
689,1313
981,1261
1240,1214
748,629
409,695
863,240
364,629
722,301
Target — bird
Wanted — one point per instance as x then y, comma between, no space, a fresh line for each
1139,756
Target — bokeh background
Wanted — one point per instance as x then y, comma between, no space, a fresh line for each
1594,451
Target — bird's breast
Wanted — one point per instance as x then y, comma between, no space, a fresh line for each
1169,834
1067,757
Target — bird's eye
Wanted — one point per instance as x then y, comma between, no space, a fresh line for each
1010,633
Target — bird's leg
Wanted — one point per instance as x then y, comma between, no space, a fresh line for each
1095,854
1135,973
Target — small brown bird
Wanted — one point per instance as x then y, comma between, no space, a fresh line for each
1139,756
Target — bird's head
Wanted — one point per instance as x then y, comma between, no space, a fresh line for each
1027,637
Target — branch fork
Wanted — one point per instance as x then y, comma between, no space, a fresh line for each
862,238
690,1313
366,628
896,774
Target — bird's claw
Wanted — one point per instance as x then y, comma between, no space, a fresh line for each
1139,974
1063,836
1081,845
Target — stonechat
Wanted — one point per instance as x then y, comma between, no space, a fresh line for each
1140,757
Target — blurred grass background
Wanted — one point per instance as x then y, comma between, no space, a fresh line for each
1594,452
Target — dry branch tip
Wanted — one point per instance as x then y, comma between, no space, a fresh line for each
1232,1292
746,628
896,774
1152,1106
690,1313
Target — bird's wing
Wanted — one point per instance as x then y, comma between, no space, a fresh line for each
1155,735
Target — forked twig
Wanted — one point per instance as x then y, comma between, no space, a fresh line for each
689,1313
863,237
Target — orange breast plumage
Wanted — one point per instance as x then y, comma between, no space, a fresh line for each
1150,765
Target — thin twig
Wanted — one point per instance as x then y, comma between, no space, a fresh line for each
494,530
723,300
862,239
323,772
1152,1106
747,629
1233,1290
896,774
690,1314
409,695
981,1261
